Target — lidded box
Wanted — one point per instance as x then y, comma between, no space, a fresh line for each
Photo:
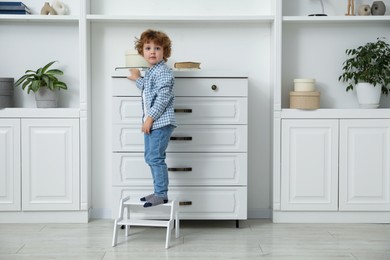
305,99
304,84
134,60
6,92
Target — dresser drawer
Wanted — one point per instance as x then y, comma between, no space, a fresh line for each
186,138
211,87
122,87
190,87
196,202
188,110
183,168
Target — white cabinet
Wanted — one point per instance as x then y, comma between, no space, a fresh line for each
365,165
50,164
40,166
10,164
335,170
207,154
329,164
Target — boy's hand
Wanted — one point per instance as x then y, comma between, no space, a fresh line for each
134,74
147,125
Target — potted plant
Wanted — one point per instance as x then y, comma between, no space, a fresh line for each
44,83
368,68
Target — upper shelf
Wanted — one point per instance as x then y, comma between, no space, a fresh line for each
198,18
39,18
325,19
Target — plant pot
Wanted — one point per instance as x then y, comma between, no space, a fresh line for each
368,95
46,98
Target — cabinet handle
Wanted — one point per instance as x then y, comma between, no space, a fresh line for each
185,203
184,138
214,87
183,110
186,169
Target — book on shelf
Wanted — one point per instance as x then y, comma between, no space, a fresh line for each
14,12
14,8
187,65
12,3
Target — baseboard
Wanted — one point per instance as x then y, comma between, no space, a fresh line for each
259,213
252,213
101,214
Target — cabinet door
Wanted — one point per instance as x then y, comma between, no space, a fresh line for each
309,164
9,164
364,164
50,167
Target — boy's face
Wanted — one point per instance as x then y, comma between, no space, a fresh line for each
153,53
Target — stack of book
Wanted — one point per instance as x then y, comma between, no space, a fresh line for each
14,8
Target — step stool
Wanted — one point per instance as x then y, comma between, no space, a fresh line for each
169,224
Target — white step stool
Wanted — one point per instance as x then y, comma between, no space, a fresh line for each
169,224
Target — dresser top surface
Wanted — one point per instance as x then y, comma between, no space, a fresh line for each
198,73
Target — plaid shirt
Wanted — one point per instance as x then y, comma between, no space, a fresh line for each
157,88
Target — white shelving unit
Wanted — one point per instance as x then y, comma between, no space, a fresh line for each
29,42
314,47
91,41
283,41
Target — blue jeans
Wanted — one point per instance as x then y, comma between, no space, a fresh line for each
155,145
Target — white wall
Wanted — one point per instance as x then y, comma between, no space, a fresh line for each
182,7
229,46
24,56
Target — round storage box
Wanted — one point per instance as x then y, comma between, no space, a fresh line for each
6,92
134,60
305,99
304,84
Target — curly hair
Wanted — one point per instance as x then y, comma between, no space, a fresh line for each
158,38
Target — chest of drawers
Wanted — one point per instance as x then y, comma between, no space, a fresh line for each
207,154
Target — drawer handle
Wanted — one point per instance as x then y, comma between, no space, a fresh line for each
184,138
214,87
188,169
183,110
185,203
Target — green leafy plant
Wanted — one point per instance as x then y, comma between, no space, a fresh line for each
42,77
368,63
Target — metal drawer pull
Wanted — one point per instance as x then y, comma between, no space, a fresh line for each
185,203
183,110
188,169
184,138
214,87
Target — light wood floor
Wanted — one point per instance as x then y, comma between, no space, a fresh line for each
255,239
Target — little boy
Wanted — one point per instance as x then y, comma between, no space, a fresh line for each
158,112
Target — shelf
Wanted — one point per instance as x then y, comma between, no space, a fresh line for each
335,113
325,19
16,112
39,18
143,19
